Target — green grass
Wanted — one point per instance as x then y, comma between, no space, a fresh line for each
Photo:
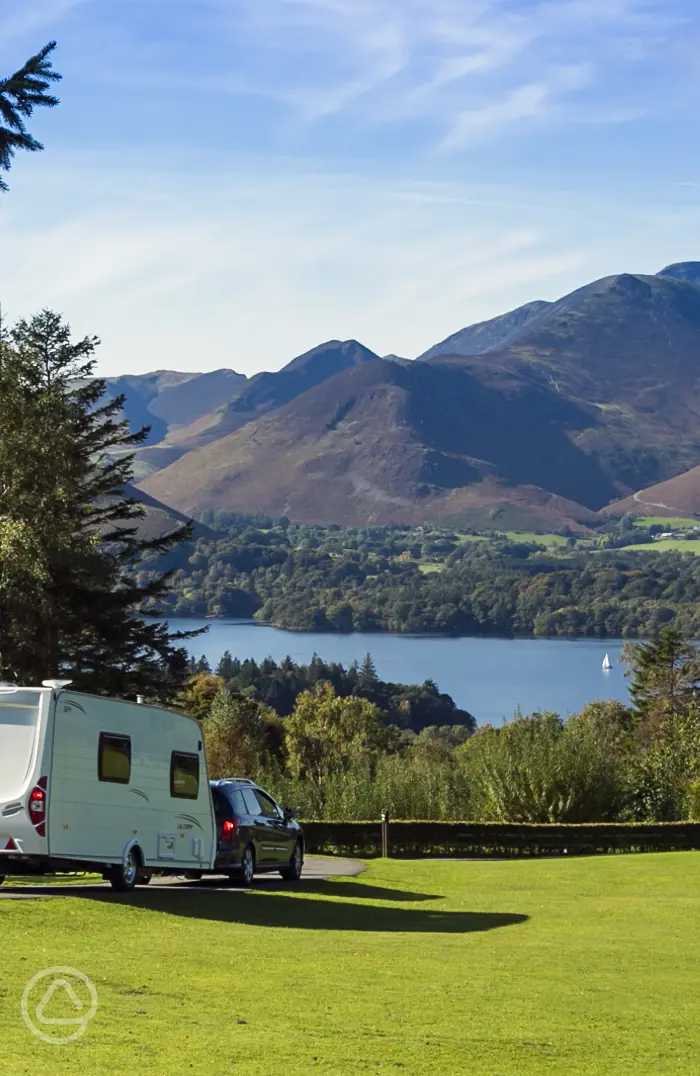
429,567
666,545
531,538
581,966
671,523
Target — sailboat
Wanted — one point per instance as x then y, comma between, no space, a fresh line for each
607,663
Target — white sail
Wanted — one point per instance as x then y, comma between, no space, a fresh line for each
607,663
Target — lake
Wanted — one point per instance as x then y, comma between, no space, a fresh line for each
491,678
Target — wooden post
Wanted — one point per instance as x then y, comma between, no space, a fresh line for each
385,834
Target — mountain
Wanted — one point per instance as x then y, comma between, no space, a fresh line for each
689,271
389,443
160,519
166,398
266,391
487,335
678,496
628,348
558,410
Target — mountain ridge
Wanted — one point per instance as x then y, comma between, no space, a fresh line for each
559,409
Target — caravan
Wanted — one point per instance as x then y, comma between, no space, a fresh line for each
91,783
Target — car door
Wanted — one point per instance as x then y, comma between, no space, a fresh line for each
282,844
264,838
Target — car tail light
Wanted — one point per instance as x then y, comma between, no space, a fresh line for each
37,806
229,829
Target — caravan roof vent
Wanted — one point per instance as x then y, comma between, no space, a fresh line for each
56,684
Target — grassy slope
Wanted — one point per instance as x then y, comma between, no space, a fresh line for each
532,538
666,545
562,966
674,523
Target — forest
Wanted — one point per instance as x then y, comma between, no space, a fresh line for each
429,580
348,747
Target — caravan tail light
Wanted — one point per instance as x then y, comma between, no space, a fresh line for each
37,806
229,829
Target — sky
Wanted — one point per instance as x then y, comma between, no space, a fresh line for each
231,182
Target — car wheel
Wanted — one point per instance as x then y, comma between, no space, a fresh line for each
124,877
247,866
292,873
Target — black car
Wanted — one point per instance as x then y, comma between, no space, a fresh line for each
254,833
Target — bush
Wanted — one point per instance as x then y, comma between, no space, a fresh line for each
417,838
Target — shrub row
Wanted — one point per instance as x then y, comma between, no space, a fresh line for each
416,838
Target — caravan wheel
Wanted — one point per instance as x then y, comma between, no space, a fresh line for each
124,877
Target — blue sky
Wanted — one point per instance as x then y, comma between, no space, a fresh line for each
230,182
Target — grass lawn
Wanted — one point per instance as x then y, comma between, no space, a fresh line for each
548,966
666,545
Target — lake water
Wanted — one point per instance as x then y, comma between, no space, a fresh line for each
491,678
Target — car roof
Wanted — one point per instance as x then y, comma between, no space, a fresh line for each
233,781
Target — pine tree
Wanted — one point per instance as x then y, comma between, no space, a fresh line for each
69,533
665,674
367,674
20,94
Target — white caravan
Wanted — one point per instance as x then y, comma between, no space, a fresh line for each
90,783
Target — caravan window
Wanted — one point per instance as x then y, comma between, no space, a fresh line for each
184,776
114,758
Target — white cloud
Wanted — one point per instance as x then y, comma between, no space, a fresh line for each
19,18
524,103
464,65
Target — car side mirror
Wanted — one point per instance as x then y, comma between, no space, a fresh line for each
288,813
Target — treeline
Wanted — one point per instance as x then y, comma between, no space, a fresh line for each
401,580
277,685
340,756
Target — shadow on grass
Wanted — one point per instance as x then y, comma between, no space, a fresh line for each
275,908
324,888
275,903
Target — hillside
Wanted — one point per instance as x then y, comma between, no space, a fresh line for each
388,443
558,410
160,519
487,335
166,399
678,496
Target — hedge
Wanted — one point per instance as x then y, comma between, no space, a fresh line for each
417,838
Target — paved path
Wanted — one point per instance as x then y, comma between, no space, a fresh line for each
315,869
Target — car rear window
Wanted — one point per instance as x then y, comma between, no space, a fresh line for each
228,801
251,804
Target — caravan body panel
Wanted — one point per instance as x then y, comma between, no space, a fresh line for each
116,774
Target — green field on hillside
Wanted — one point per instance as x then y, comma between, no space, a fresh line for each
580,966
532,538
666,545
671,523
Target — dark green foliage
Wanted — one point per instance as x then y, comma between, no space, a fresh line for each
69,541
541,769
665,673
20,94
278,684
417,838
369,579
